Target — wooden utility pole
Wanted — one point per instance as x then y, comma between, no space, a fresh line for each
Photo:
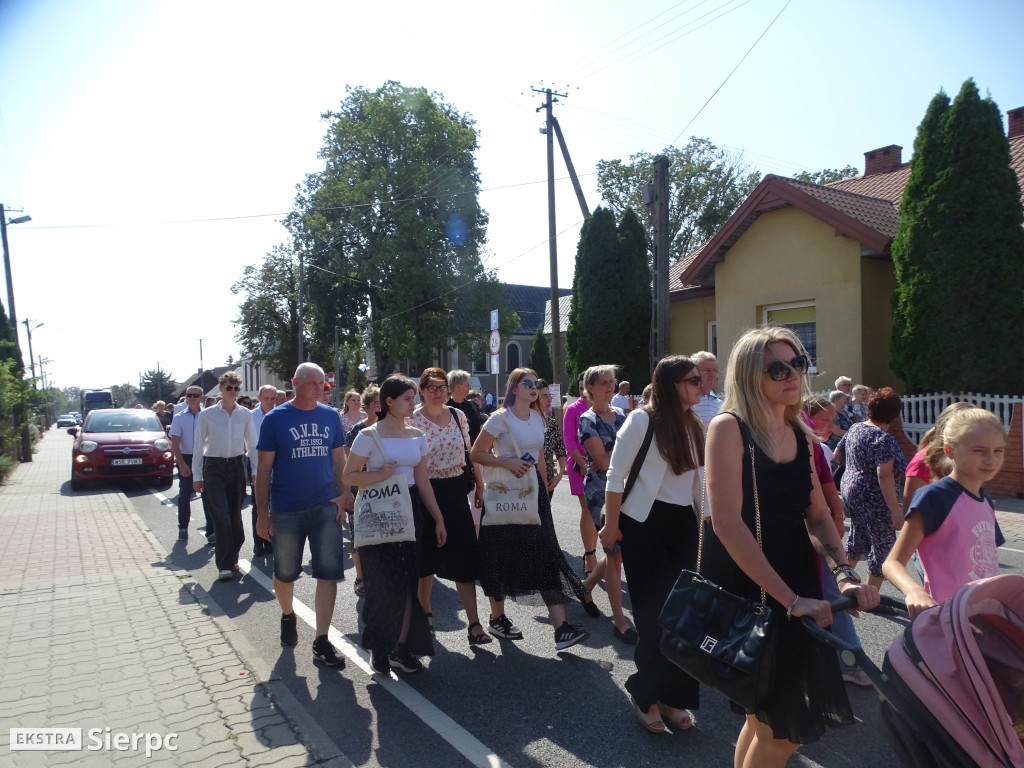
556,331
659,203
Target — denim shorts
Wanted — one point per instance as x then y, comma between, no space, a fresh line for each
319,524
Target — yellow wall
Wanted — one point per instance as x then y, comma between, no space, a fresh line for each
688,325
788,256
879,282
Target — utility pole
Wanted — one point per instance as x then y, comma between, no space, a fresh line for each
656,196
31,360
556,331
302,289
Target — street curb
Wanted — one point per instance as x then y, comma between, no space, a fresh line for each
315,738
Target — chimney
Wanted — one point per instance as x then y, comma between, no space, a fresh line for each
1015,123
883,160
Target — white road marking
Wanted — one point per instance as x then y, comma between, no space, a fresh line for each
462,740
1011,549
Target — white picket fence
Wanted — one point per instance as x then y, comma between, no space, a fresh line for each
921,411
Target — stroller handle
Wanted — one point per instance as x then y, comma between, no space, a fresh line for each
826,637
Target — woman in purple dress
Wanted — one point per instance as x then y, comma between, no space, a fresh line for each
874,464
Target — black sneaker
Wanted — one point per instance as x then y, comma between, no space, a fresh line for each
289,629
505,629
402,658
327,653
567,635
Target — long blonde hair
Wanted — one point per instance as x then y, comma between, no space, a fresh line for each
744,380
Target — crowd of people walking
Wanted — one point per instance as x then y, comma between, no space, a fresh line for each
756,486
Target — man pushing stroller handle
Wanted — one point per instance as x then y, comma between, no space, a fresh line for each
952,685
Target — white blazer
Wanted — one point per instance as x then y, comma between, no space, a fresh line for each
653,473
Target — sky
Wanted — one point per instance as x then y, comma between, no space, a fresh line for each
157,145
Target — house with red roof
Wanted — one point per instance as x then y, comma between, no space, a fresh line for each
814,258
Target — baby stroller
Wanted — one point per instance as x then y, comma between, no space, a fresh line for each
952,686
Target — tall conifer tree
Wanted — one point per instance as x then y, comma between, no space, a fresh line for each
958,255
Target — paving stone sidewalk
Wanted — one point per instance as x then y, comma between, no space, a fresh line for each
96,632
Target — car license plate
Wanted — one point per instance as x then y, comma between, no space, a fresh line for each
124,462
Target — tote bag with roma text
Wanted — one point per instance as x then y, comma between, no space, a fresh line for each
383,511
510,500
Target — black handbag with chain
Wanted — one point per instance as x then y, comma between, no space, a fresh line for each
725,641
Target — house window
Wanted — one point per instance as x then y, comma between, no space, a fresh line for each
512,356
801,319
480,362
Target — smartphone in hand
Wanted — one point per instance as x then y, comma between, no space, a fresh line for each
528,458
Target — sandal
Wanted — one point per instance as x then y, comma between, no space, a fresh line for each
651,723
430,622
359,588
680,719
478,638
592,554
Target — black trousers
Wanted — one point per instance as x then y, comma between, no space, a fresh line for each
224,491
259,544
653,554
185,499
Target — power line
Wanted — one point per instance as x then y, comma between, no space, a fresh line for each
770,24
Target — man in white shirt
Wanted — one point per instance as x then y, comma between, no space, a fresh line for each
183,432
225,435
264,405
709,405
621,400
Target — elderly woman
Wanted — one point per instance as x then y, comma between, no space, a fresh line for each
764,387
874,463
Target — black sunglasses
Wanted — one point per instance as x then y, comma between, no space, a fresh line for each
231,388
194,394
695,380
778,370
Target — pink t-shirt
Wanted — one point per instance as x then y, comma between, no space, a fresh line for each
571,428
960,537
917,468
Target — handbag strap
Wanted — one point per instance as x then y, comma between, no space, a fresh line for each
749,442
508,426
634,471
380,443
455,418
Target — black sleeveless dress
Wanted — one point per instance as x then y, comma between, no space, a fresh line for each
809,693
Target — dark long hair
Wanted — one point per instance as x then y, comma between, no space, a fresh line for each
679,432
394,386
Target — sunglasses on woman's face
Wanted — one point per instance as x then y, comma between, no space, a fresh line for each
778,370
528,383
695,380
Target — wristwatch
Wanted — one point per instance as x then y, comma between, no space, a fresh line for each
846,573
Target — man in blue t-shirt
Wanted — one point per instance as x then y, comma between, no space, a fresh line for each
301,459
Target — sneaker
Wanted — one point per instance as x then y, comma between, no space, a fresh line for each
225,575
327,653
402,658
857,676
289,629
183,534
505,629
211,539
567,635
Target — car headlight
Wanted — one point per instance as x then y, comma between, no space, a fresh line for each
161,444
88,446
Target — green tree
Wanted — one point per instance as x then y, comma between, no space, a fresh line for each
392,227
124,395
610,309
540,356
267,326
957,255
828,175
706,184
156,385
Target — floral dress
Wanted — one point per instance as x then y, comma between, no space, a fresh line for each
554,446
592,425
866,448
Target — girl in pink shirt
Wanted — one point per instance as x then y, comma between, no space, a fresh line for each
951,522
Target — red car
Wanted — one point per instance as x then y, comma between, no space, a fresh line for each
120,442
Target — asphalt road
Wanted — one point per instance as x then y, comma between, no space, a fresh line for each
518,704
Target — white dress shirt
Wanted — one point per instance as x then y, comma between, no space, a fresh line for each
220,434
257,417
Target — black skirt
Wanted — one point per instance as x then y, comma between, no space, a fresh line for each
458,559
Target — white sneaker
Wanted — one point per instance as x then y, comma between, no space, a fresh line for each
225,576
857,676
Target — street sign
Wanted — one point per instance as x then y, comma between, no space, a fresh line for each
494,342
494,367
494,319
